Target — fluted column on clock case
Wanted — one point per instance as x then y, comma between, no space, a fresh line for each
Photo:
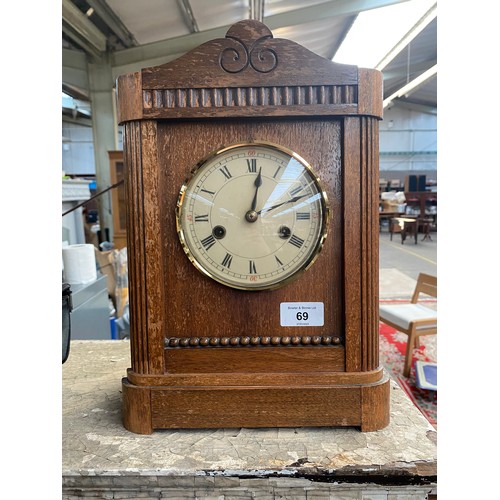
361,243
369,243
143,221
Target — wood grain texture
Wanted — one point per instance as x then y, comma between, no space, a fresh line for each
255,360
248,96
136,408
251,101
248,73
129,97
370,127
361,173
370,93
375,408
153,291
250,53
289,379
198,306
136,252
351,183
254,407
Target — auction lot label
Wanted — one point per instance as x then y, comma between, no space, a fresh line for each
302,314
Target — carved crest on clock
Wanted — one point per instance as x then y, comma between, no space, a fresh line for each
257,53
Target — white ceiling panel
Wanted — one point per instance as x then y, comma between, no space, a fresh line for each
217,13
321,37
150,20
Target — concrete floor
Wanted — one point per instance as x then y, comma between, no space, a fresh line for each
400,264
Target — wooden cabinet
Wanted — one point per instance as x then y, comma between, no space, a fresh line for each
422,202
118,199
424,205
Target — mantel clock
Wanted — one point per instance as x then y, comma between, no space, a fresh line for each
252,235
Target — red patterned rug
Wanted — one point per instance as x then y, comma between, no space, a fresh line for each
392,356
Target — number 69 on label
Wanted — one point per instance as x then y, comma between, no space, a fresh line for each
302,314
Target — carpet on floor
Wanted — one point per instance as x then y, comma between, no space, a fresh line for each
392,356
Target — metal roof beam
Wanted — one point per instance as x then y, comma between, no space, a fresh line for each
421,108
134,58
411,86
187,12
403,72
256,9
102,9
74,70
81,30
79,120
421,24
325,10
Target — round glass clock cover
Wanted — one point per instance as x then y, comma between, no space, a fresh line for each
252,216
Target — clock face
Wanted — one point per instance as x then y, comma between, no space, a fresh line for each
252,216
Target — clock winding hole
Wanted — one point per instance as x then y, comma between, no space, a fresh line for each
219,232
284,232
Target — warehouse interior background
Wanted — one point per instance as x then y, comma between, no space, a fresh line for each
104,39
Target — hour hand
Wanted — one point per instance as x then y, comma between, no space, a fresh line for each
252,215
257,184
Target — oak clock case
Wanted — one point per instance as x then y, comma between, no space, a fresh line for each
252,216
251,175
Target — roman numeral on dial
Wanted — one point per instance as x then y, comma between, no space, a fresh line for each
201,218
295,191
226,262
296,241
208,242
252,165
225,172
303,215
253,269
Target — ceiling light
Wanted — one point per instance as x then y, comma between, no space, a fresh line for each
411,35
383,27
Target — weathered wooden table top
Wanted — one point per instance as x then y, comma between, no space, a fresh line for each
95,444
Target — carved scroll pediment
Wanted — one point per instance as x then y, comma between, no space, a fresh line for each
248,55
252,50
249,72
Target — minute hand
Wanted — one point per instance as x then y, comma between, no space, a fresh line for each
291,200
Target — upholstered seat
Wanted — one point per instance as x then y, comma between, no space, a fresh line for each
403,314
414,319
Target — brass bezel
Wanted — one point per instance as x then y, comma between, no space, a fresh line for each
324,219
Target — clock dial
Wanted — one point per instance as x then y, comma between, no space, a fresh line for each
252,216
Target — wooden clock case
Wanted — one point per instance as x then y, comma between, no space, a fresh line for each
207,356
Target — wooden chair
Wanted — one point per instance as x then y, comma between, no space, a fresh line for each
406,226
414,319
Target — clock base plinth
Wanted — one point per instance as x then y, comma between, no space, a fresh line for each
346,404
